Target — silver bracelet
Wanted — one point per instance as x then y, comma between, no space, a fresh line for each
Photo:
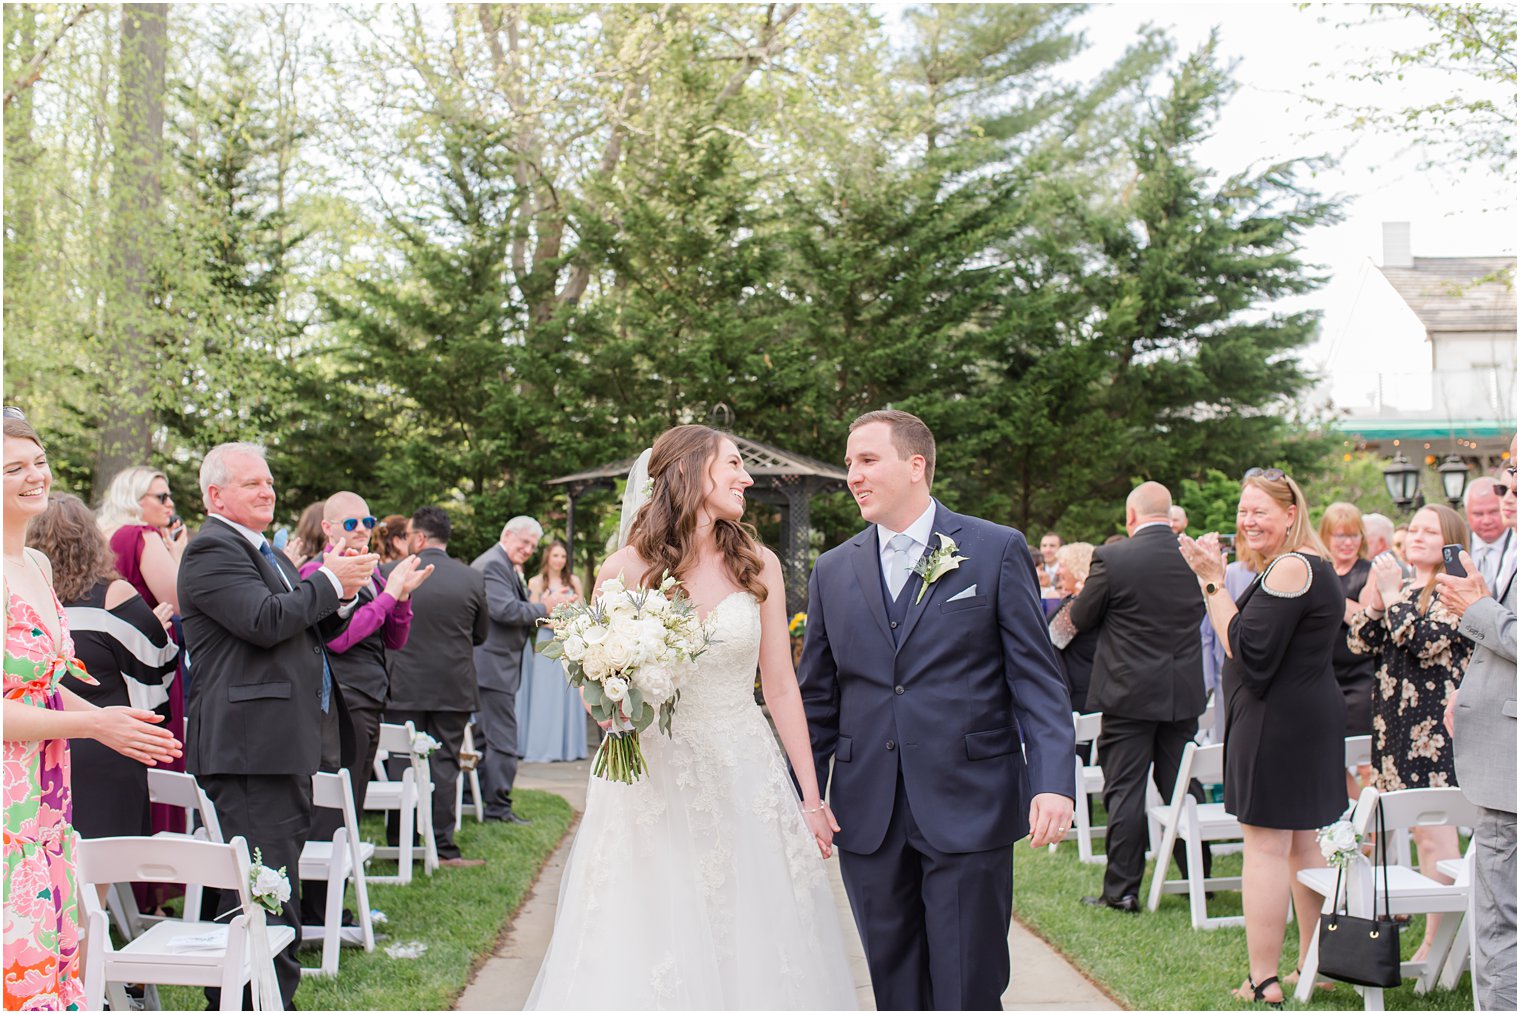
816,809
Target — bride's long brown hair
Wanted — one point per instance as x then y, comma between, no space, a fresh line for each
665,529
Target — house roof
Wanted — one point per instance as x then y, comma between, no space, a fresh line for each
760,460
1442,293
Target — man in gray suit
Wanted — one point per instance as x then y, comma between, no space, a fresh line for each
499,661
1481,719
433,676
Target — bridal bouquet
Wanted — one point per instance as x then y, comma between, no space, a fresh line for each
628,653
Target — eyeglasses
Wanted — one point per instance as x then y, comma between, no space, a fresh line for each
1270,474
160,497
12,412
350,524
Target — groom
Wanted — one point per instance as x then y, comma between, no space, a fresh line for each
920,683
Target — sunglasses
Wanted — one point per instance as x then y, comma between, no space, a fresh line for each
160,497
350,524
12,412
1270,474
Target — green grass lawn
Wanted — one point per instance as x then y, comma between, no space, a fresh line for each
458,913
1156,960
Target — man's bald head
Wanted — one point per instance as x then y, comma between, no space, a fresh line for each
341,507
1147,502
1179,519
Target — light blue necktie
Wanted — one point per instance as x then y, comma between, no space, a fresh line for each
897,563
268,554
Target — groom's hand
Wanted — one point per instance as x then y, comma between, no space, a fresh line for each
1049,819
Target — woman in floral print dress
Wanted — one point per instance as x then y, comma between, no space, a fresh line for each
42,955
1421,659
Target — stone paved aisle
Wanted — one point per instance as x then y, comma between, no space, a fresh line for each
1042,979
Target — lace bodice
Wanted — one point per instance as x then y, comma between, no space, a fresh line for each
721,689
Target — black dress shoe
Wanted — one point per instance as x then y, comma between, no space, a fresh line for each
1128,903
509,818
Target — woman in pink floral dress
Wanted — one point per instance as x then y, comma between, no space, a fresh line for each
42,954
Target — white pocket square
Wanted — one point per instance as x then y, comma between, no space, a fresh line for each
964,594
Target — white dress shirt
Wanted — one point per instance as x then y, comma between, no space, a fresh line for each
920,531
1491,557
257,541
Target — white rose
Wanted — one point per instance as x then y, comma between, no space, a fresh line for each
655,683
619,649
616,689
270,882
575,647
611,587
594,662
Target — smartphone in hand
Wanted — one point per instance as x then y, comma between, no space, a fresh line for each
1451,555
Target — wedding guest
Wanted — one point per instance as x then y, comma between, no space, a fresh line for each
306,542
1074,648
1483,745
1284,730
137,516
42,964
1049,543
1421,656
1397,543
1492,543
122,643
1379,531
380,623
390,538
1341,531
1179,519
1115,538
553,719
433,676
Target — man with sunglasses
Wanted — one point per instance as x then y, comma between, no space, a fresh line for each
1481,719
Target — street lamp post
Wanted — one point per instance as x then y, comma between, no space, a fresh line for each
1402,477
1453,479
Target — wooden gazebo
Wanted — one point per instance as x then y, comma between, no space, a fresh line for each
783,479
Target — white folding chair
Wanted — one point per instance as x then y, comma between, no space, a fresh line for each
469,767
1358,751
1197,824
1410,892
1464,949
1206,721
174,952
1089,782
177,789
411,795
337,862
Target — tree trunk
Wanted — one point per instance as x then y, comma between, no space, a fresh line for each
136,196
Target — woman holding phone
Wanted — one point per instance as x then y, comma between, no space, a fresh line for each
1421,656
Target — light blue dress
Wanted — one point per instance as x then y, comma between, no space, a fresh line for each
549,710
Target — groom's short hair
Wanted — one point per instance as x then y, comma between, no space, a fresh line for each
909,435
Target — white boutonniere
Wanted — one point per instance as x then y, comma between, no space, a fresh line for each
1339,843
933,566
423,744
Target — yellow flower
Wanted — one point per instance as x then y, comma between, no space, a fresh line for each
798,624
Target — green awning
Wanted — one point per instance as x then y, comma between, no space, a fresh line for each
1427,429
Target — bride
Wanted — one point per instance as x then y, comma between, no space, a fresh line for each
700,885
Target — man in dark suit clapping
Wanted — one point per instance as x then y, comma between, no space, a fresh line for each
263,689
1147,676
433,676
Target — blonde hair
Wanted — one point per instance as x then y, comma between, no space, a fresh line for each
120,505
1343,515
1077,558
1300,535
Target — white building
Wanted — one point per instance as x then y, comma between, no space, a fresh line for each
1428,365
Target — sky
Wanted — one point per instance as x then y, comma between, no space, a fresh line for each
1285,53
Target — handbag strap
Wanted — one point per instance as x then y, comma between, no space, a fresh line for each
1380,851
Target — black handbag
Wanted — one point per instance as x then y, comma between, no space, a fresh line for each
1364,952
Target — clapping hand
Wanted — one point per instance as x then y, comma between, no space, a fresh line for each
1387,576
132,733
405,578
1203,556
351,571
164,612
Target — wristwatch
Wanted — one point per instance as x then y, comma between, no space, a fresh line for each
1210,589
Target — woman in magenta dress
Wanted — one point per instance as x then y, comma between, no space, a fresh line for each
42,969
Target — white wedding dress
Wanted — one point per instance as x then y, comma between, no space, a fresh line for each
699,886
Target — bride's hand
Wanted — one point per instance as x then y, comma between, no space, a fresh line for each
822,825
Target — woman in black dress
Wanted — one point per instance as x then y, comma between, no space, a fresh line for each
123,645
1285,717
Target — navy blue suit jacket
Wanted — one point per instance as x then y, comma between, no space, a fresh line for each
946,704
